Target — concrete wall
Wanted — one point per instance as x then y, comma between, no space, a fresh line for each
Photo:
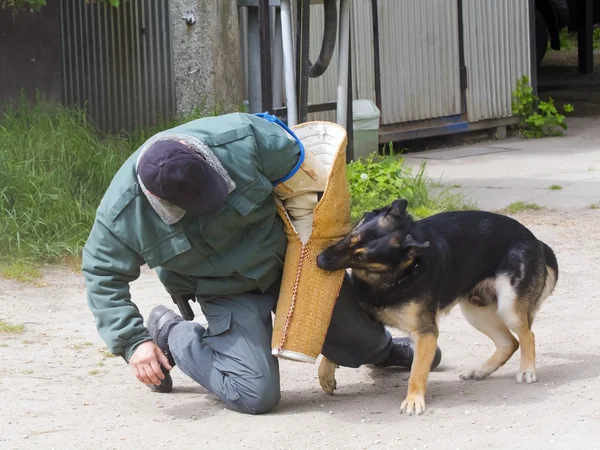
30,54
206,55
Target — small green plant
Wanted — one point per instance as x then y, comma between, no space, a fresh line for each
538,118
594,206
100,364
79,347
7,328
27,342
3,344
106,353
378,181
94,372
520,206
20,271
27,372
556,187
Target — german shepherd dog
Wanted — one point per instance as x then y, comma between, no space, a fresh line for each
408,273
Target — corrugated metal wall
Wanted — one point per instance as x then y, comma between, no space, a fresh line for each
497,54
420,66
117,62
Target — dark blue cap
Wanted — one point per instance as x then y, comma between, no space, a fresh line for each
178,174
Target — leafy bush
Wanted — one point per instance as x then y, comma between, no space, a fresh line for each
538,118
377,181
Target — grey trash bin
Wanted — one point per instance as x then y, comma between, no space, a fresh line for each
365,119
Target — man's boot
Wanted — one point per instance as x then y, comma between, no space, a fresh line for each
403,352
160,323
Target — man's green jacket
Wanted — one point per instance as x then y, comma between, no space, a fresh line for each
238,250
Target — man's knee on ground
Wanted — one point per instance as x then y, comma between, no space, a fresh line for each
260,397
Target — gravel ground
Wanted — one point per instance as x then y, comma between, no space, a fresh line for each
57,389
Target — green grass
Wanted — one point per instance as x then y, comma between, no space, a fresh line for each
3,344
20,271
568,40
94,372
556,187
378,181
8,328
519,206
79,347
54,169
594,206
27,372
107,354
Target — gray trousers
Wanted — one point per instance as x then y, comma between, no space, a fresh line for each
232,356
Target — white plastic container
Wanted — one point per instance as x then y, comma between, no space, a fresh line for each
365,119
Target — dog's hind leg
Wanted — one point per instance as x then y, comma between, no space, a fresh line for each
327,375
486,320
517,313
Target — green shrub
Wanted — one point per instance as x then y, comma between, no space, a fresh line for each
538,118
377,181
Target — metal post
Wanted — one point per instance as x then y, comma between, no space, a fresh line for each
265,55
585,32
376,53
288,63
533,47
254,62
277,61
343,64
349,106
302,58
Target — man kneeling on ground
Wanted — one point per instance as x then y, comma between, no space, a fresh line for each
195,203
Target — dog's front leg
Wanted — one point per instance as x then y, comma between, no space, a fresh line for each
425,346
327,375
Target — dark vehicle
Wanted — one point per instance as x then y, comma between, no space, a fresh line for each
551,16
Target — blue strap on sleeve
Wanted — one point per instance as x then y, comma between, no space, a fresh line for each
276,120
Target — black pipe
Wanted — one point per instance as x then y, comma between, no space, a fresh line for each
329,38
376,53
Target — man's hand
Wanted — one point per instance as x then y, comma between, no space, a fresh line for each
146,361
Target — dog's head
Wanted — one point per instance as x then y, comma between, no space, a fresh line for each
380,246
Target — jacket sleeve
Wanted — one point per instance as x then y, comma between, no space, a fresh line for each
108,266
278,152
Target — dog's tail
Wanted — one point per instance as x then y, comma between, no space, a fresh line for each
552,266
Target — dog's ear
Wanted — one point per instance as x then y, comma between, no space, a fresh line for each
398,207
412,247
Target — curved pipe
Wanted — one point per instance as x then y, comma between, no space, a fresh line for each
328,44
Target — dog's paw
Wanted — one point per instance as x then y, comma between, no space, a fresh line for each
413,405
476,374
526,376
327,376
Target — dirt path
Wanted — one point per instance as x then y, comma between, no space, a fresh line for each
57,390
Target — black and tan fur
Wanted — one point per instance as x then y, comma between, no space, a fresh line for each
408,273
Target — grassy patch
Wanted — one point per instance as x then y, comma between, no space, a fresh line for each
20,271
594,206
27,372
54,169
27,342
556,187
79,347
378,181
100,364
3,345
107,354
519,206
94,372
8,328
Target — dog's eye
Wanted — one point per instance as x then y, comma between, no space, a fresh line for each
359,256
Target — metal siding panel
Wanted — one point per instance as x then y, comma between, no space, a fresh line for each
118,62
420,73
497,54
363,57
